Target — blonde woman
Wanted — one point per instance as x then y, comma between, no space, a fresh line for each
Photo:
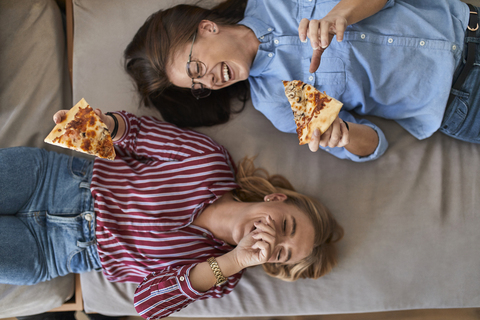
169,213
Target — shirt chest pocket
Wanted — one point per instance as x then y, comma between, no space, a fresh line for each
329,77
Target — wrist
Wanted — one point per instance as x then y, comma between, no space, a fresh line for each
113,127
229,263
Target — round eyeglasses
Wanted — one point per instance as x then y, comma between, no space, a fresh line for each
195,70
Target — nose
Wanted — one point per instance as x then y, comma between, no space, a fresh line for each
208,80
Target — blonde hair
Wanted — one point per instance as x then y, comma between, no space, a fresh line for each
255,184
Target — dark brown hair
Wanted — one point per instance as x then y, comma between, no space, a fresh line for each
151,49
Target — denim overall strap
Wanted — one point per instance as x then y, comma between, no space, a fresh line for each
470,40
461,119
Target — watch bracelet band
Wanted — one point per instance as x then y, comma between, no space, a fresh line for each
216,271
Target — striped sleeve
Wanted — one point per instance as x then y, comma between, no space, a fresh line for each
149,138
168,291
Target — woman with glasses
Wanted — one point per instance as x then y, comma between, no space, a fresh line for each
394,59
171,213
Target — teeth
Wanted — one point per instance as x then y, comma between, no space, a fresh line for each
225,72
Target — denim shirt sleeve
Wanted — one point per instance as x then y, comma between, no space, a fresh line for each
343,153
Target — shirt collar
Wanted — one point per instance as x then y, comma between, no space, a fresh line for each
259,27
265,52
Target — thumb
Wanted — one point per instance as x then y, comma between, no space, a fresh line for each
59,116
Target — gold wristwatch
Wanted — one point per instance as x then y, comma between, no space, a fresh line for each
216,271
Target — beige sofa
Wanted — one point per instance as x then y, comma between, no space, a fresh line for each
411,218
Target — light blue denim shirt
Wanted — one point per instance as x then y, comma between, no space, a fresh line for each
397,64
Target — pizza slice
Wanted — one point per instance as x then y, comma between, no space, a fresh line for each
82,130
311,109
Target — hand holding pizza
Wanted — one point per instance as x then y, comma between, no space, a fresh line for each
321,32
84,130
59,116
337,135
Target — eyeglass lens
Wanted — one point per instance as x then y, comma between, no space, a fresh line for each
199,91
196,69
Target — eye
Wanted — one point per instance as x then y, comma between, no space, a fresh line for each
279,254
284,226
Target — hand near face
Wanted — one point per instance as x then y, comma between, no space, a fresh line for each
321,32
256,247
337,135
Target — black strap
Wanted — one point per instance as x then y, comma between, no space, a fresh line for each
115,128
471,46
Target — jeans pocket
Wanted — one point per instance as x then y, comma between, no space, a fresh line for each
79,167
455,113
76,261
66,234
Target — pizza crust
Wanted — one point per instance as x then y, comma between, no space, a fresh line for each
82,130
311,109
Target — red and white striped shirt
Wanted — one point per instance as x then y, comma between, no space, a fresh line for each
145,201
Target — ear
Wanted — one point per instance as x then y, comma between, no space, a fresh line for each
275,197
207,27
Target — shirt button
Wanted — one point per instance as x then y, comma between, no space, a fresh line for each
276,41
310,78
182,278
205,234
422,43
363,36
269,29
270,54
454,47
88,217
262,37
390,40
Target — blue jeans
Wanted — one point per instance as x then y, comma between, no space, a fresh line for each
462,117
47,222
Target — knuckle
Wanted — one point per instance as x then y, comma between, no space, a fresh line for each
334,138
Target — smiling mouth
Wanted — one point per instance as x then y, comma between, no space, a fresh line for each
227,74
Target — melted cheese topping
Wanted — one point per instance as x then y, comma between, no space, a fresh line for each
306,103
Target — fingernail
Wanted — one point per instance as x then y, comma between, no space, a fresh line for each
304,41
